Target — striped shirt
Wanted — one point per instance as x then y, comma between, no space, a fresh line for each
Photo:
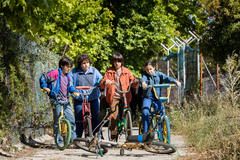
63,87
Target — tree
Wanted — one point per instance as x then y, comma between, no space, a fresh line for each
84,26
223,30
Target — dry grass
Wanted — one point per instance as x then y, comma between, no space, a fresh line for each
213,127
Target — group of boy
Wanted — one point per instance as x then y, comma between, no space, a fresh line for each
62,81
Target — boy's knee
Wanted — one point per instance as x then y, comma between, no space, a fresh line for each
145,112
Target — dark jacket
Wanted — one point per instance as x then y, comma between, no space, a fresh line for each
52,80
157,78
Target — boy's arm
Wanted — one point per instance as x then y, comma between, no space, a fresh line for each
143,81
42,81
167,79
48,78
98,78
103,81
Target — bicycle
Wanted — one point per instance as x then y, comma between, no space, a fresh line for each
159,122
62,135
86,109
124,124
139,142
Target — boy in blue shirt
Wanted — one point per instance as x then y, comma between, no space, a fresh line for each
151,77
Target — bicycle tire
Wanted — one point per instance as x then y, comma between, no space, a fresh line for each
140,129
128,124
166,130
160,148
83,144
65,134
109,130
88,127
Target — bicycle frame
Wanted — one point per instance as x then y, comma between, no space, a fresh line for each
121,120
86,109
146,144
62,116
158,116
64,127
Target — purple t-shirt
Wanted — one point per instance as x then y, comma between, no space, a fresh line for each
63,87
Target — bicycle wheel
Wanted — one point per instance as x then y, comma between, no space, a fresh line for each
166,130
140,129
109,130
84,143
128,124
62,138
88,127
160,148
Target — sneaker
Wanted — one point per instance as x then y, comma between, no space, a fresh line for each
72,146
60,141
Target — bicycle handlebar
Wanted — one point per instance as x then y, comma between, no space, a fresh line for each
57,96
162,86
85,88
118,88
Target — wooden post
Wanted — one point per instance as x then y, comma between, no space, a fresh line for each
64,50
49,43
157,63
201,93
217,83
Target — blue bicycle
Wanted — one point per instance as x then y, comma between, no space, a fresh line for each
159,122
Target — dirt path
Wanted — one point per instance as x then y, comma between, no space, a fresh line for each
53,153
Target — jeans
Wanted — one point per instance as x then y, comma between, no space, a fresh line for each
146,111
69,115
95,107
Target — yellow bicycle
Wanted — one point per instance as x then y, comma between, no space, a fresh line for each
62,134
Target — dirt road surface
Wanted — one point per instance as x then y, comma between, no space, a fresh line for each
52,153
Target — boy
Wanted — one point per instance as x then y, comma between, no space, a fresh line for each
122,76
86,75
60,82
151,77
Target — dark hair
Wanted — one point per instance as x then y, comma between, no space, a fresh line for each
117,57
148,63
65,61
81,58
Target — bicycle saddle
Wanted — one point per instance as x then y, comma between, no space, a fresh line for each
141,138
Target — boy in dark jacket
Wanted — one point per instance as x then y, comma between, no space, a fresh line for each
86,75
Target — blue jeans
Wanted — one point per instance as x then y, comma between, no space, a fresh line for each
69,115
146,111
95,107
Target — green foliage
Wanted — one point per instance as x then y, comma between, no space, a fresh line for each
84,26
221,39
21,64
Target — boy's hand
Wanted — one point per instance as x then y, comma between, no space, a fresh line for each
144,85
76,94
47,90
178,84
107,82
137,80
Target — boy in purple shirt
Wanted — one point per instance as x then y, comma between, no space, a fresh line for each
60,82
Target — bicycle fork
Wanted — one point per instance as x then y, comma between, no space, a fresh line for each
61,127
